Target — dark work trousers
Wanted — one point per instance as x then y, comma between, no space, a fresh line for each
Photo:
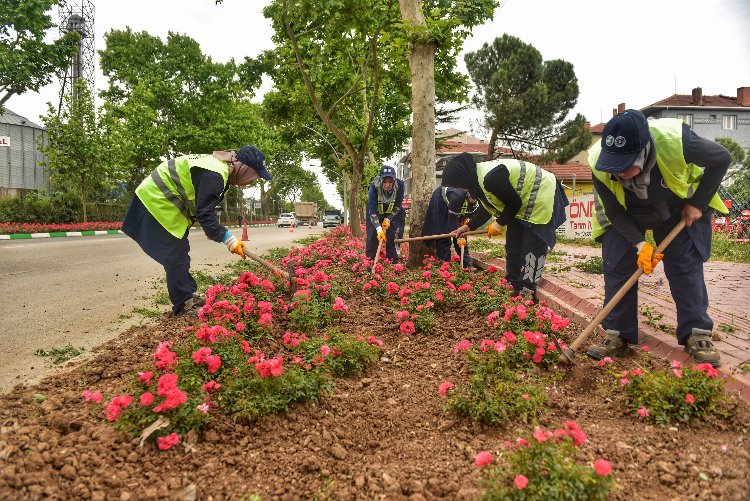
371,245
170,252
683,266
525,254
443,250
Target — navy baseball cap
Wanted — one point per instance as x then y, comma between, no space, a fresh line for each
387,171
253,157
623,139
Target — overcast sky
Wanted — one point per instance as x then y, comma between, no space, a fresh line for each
635,52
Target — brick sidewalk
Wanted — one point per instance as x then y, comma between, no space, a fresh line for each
580,295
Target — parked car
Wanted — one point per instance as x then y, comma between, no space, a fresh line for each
286,219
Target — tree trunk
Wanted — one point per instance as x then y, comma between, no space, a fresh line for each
355,184
83,199
422,65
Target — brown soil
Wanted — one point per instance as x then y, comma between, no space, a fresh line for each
382,435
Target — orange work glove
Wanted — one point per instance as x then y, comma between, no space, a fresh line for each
386,224
647,259
381,234
461,242
235,246
495,229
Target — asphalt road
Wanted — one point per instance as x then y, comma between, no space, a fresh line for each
82,291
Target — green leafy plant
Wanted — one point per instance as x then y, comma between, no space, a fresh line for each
347,354
593,265
307,240
147,313
680,395
728,328
60,355
249,395
545,466
498,398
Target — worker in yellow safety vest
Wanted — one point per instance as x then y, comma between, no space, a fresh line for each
525,198
648,175
177,193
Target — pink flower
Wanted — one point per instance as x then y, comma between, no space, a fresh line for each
407,327
146,399
340,305
525,396
521,482
203,408
374,341
540,435
689,399
645,348
325,350
605,361
116,405
677,373
211,386
602,467
167,442
643,412
492,269
483,458
464,345
676,364
92,396
444,387
145,377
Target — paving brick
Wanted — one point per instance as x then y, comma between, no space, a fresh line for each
745,393
661,350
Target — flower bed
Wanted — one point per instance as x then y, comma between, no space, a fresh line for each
20,228
432,382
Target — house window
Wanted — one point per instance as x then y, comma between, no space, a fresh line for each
729,122
687,118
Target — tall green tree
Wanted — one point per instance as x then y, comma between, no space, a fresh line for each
526,99
27,62
331,76
172,87
76,153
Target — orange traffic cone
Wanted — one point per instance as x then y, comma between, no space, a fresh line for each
244,233
291,228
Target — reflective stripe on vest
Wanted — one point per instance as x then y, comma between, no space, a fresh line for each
681,178
168,192
534,185
464,207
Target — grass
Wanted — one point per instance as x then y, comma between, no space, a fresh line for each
307,240
146,313
593,265
60,355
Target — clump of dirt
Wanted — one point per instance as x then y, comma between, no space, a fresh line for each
381,435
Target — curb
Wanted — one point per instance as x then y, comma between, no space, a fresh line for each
582,311
55,234
90,233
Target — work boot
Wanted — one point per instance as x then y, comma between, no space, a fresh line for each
700,346
189,309
612,346
199,299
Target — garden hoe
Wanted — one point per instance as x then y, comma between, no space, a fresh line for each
435,237
287,275
377,255
570,352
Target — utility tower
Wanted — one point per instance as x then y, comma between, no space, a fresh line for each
77,16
